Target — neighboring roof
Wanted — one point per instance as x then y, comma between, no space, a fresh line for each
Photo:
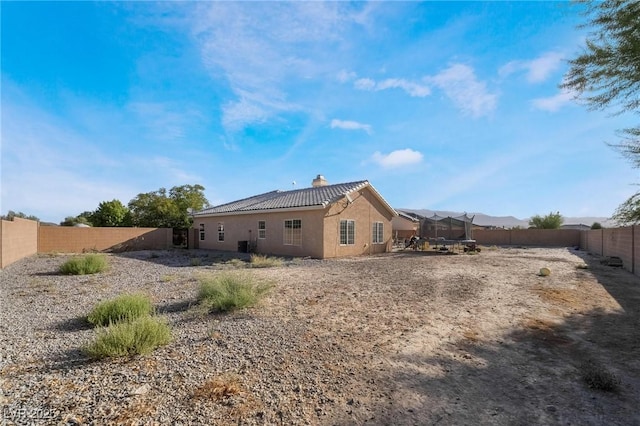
305,198
408,216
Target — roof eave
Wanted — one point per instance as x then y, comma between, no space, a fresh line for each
262,211
376,194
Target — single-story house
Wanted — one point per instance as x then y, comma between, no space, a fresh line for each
404,226
323,221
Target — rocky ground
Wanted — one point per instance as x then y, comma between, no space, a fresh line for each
402,338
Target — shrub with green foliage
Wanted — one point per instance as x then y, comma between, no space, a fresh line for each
126,307
83,265
227,292
263,261
138,337
550,221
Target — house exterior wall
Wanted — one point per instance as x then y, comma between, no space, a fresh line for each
244,227
18,239
364,210
404,228
320,229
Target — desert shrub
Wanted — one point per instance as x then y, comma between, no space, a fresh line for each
219,388
598,377
263,261
126,307
236,263
227,292
196,261
83,265
137,337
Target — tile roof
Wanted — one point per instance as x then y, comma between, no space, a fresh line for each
320,196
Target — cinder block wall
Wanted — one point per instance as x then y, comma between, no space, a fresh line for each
620,242
65,239
528,237
18,239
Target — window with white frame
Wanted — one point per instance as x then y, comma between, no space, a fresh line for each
262,229
220,231
292,232
347,232
202,232
378,233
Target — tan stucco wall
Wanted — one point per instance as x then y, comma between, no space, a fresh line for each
528,237
19,238
245,228
320,229
621,242
364,210
65,239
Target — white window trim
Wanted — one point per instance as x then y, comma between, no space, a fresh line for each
221,232
292,241
379,233
202,235
353,235
262,232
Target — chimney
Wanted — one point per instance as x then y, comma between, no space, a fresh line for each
319,181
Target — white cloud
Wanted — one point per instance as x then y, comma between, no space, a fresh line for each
261,48
411,88
461,85
554,103
398,158
537,70
345,76
365,84
350,125
162,121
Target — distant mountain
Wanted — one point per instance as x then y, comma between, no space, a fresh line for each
509,221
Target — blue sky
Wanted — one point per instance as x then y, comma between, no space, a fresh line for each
440,105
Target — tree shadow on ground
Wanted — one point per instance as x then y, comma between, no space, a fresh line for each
536,374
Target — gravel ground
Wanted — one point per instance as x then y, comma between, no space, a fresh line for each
401,338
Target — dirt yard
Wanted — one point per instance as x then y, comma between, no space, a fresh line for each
403,338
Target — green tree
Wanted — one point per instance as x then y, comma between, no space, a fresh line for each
11,214
111,213
550,221
628,213
596,225
162,209
75,220
607,74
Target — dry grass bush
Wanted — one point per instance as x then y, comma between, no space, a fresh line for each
138,337
219,388
236,263
263,261
230,291
83,265
125,307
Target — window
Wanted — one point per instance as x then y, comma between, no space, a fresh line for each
347,232
202,232
293,232
220,231
262,229
378,233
